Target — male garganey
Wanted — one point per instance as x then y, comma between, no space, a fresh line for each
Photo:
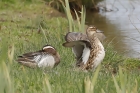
87,48
47,57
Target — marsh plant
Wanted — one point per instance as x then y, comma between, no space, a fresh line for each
75,5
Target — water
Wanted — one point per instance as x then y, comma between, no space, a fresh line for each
121,26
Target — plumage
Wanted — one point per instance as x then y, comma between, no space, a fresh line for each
47,57
87,48
74,36
85,54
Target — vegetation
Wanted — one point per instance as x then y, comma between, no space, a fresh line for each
26,27
75,5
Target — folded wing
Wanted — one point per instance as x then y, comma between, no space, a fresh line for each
30,59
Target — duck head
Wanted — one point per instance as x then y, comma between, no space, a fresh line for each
49,49
91,30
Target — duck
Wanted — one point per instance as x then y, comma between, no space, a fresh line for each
46,57
87,48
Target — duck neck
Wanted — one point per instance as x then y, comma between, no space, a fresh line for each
94,40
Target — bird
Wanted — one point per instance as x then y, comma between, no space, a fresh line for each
46,57
87,48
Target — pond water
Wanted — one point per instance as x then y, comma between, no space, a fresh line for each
121,26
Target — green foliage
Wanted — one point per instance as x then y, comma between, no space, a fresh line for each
25,31
8,1
124,85
74,4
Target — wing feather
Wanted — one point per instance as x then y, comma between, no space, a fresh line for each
32,53
74,36
78,42
81,49
29,57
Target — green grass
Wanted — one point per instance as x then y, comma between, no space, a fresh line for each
22,28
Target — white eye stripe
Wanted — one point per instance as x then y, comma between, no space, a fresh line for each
48,47
91,27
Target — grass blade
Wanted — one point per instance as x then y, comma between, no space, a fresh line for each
116,85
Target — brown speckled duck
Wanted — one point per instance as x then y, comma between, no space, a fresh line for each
87,48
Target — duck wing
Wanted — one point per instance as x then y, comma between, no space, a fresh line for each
81,49
74,36
32,54
30,59
77,45
78,42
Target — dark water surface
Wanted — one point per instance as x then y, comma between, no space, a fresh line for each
121,26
